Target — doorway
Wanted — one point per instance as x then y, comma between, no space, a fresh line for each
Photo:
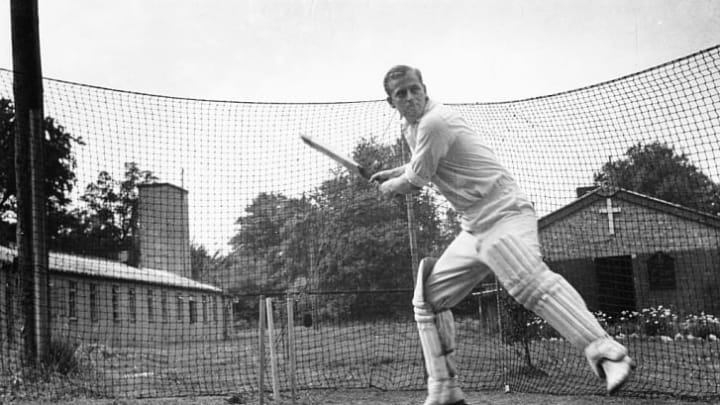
616,286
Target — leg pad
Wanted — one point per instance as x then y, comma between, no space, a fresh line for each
437,338
527,278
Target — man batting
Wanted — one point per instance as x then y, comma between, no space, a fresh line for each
499,235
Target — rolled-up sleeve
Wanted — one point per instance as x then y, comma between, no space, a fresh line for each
432,144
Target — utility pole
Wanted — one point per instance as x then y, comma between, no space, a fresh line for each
32,259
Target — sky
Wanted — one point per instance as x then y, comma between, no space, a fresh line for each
338,50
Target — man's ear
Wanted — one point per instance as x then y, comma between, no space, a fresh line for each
389,100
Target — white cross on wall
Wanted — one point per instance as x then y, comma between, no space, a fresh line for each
610,210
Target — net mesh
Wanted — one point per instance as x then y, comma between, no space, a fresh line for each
180,215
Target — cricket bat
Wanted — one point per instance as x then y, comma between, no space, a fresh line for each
351,165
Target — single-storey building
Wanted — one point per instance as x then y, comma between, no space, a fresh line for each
114,303
624,250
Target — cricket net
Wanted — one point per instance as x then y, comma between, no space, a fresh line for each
198,247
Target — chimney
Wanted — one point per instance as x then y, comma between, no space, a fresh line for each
163,228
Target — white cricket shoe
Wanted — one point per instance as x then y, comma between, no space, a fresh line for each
444,392
610,361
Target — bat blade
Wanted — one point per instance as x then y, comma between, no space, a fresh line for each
351,165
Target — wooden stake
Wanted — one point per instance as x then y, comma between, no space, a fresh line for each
291,343
261,359
273,355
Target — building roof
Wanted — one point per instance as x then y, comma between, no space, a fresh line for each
631,197
156,185
102,268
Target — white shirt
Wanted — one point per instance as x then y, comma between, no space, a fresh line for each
449,153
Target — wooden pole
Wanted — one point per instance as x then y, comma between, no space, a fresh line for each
30,178
412,239
291,343
273,354
261,349
412,236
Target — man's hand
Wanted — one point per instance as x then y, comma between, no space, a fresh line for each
383,175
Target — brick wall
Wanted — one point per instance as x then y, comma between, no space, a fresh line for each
572,243
164,233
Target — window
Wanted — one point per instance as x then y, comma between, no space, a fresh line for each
205,309
163,306
132,309
179,308
192,309
72,300
150,305
661,271
93,304
116,303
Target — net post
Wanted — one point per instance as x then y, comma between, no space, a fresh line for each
261,345
291,343
29,176
273,354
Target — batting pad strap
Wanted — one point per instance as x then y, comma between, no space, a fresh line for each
424,316
439,365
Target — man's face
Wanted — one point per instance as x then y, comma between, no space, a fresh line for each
407,94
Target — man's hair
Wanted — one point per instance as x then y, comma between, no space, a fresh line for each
397,72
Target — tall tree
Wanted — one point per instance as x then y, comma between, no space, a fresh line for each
262,235
341,236
367,244
59,171
202,265
108,222
656,170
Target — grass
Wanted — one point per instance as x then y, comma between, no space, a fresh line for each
370,356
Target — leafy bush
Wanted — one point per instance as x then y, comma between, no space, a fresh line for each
540,329
700,326
627,323
658,321
61,358
651,321
522,326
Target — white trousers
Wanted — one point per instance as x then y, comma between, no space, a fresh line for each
460,268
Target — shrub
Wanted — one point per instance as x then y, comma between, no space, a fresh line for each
626,323
539,328
658,321
602,318
61,358
700,326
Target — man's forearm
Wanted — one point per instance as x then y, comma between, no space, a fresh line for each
398,185
398,171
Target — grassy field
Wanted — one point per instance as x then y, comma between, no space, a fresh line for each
378,359
376,397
